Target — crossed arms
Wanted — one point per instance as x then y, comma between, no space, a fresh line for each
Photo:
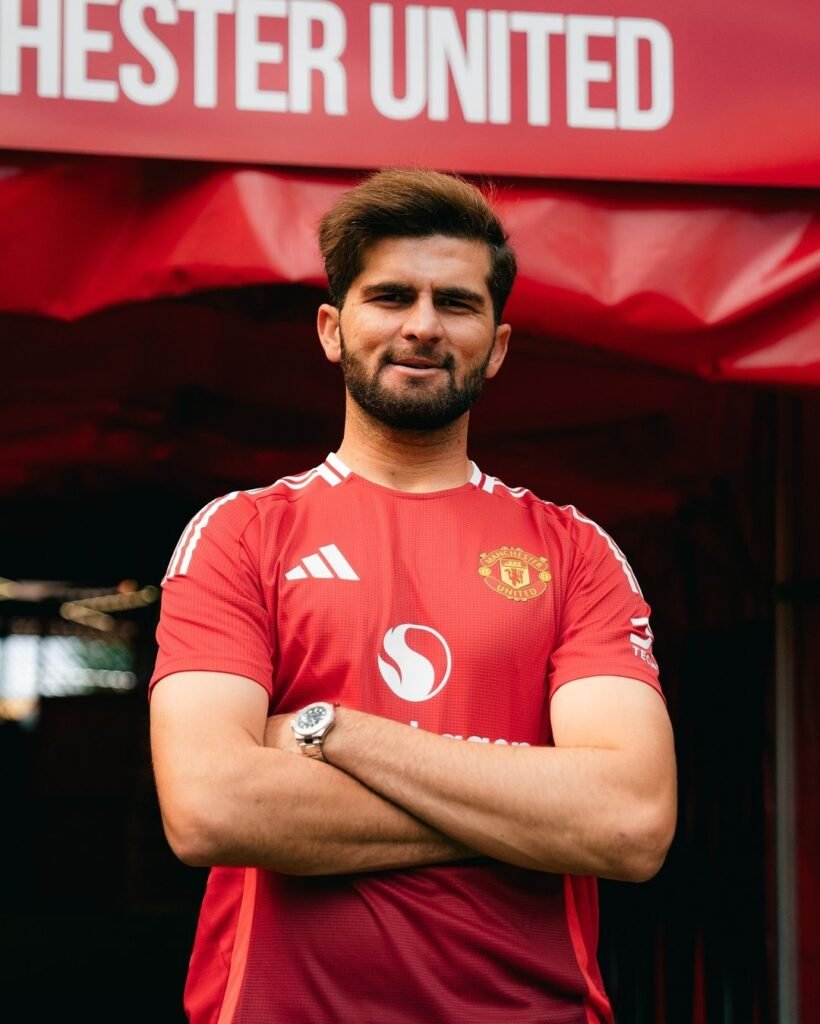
235,790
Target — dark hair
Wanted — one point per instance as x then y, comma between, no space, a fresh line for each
398,203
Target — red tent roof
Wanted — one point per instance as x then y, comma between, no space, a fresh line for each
142,346
718,283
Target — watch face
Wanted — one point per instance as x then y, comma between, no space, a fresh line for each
311,717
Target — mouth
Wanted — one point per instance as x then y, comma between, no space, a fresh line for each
415,369
417,366
417,363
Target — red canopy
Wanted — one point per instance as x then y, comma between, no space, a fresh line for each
722,284
131,353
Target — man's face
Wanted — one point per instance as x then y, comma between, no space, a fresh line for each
416,336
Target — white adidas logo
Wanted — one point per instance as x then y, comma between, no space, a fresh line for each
334,565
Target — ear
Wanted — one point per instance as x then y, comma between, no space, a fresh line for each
327,324
499,352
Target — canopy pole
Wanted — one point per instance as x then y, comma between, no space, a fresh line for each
788,437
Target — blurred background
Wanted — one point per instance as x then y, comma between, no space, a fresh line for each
158,286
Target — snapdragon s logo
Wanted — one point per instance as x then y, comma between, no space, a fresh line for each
419,672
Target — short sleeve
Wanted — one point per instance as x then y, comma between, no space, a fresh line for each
605,626
213,616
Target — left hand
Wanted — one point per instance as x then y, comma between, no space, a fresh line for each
279,734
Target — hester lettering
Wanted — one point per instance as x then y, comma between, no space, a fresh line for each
287,57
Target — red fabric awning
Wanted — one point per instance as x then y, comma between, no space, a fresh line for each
718,283
136,352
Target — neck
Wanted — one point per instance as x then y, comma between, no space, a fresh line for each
405,460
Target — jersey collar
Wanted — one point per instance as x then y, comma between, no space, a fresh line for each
335,464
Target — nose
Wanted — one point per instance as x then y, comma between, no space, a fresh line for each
422,322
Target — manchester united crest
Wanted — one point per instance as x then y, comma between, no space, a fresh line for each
514,573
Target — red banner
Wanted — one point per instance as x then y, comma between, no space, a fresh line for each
663,90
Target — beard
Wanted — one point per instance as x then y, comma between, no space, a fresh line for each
417,405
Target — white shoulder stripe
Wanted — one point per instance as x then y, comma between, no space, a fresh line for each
613,547
191,535
490,483
296,477
297,483
173,565
200,526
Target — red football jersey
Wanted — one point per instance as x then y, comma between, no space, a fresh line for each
460,612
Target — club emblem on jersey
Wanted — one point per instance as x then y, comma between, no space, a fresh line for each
515,573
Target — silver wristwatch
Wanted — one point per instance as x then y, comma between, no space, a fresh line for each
311,725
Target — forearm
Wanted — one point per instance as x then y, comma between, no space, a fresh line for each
292,814
235,790
576,811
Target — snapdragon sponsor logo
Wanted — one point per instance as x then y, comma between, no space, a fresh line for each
418,672
411,674
501,742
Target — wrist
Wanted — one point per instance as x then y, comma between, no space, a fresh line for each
312,725
333,741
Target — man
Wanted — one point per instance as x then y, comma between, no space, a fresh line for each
465,721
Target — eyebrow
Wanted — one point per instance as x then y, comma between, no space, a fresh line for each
387,286
461,293
455,292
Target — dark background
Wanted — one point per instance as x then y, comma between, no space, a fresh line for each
97,916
